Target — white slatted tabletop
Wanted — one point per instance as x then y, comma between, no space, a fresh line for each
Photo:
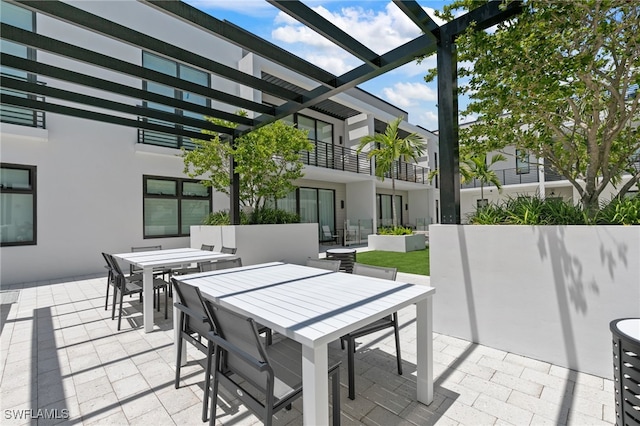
314,307
149,260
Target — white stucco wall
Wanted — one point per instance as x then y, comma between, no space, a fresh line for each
545,292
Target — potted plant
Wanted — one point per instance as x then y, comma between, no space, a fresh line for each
267,160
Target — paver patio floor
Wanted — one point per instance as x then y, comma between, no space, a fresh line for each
61,354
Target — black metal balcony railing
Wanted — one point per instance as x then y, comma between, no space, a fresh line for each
335,157
512,177
409,172
330,156
506,177
19,115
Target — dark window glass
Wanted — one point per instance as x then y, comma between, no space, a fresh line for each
17,205
172,205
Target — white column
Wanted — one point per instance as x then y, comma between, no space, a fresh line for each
147,302
424,330
315,384
541,185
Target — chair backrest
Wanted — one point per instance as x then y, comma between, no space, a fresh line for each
114,269
209,247
326,231
220,264
135,270
228,250
244,352
330,265
195,318
375,271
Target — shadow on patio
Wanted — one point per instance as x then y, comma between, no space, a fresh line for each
64,362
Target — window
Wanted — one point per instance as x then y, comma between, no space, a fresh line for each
522,162
183,72
312,205
385,215
171,206
320,134
17,205
24,19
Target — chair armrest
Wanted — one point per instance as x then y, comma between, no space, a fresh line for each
192,314
230,347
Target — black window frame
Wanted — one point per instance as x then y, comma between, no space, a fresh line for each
33,178
179,197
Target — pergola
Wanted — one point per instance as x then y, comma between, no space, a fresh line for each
434,38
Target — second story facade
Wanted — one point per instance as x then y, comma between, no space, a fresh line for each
87,181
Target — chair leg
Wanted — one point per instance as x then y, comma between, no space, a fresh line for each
113,303
397,333
166,302
120,311
106,299
351,348
214,390
207,382
335,396
179,349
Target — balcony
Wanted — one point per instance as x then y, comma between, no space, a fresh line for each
19,115
336,157
512,177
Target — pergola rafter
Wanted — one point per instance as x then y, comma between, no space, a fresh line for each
434,38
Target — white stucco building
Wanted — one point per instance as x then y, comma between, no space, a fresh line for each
73,188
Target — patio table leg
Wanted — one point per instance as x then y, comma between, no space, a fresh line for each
315,382
147,302
424,331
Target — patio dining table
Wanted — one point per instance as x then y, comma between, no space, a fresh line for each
150,260
315,307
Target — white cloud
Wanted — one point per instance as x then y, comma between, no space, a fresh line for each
409,94
258,8
381,31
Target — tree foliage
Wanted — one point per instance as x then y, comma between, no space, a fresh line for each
555,80
267,160
388,148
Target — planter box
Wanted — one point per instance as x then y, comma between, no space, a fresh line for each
545,292
292,243
399,243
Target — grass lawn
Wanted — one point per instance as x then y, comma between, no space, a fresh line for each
413,262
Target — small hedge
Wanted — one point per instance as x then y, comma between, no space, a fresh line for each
400,230
262,216
533,210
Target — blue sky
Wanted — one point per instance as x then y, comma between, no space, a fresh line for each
364,20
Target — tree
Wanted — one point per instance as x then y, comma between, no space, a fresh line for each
388,148
267,160
558,81
476,167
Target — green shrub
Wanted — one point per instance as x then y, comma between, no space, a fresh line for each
533,210
266,215
620,211
261,216
400,230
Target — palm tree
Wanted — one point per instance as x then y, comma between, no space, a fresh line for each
388,149
476,167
